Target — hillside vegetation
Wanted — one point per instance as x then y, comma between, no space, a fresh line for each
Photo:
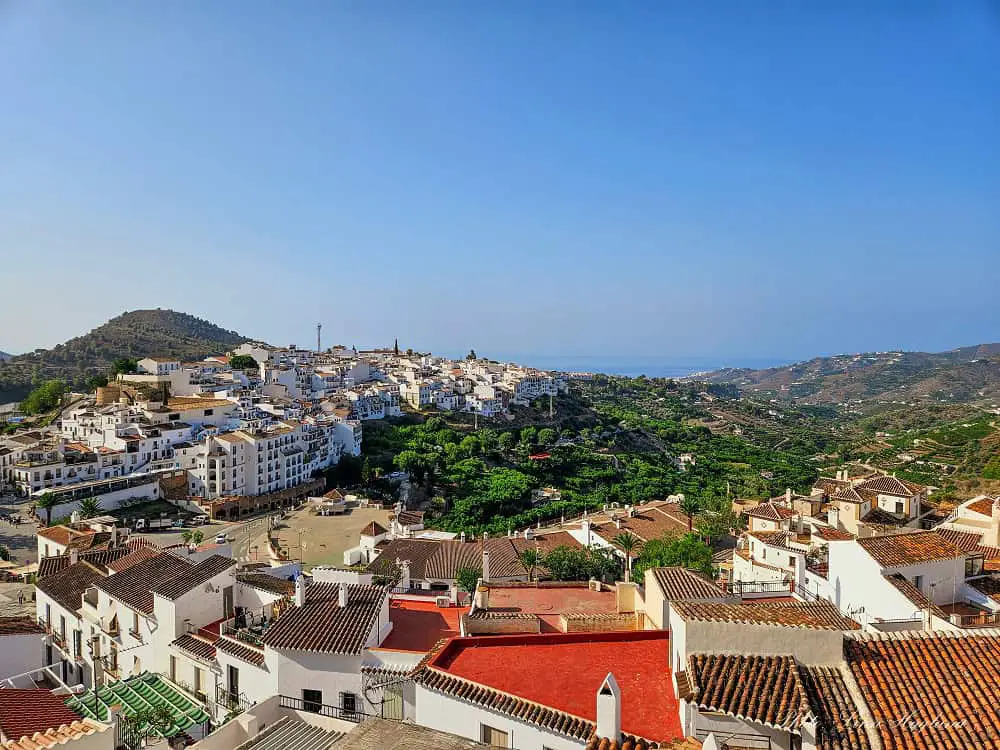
140,333
969,375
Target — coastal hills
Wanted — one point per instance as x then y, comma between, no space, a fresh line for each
969,374
139,333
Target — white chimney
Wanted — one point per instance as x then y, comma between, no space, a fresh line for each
114,536
300,590
74,556
788,495
342,594
462,537
486,565
75,517
404,574
609,710
833,516
453,594
529,534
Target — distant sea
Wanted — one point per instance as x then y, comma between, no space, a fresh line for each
668,368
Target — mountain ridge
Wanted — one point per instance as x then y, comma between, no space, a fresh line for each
968,374
137,333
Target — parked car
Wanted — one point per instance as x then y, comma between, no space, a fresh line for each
200,520
152,524
177,524
221,539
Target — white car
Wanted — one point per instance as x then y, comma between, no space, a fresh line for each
221,539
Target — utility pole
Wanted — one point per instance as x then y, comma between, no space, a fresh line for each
551,409
319,328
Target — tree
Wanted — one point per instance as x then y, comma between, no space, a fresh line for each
690,506
508,487
96,381
567,563
155,721
243,362
628,543
46,501
531,558
467,578
186,536
546,436
45,397
505,442
529,436
124,366
197,537
90,507
471,355
687,551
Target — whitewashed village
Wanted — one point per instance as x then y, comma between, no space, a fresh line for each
849,617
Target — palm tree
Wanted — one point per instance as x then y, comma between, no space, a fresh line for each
690,506
186,536
197,536
46,501
531,558
90,507
628,543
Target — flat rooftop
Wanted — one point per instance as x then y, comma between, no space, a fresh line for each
548,602
418,626
564,671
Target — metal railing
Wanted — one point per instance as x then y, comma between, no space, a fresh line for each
981,620
324,709
231,701
739,588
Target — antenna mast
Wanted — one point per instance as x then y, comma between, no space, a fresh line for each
319,328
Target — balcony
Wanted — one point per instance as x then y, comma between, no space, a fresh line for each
344,713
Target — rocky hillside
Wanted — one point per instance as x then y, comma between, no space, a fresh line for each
140,333
967,375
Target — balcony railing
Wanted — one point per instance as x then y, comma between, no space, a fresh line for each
323,709
981,620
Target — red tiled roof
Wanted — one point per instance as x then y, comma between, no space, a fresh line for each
134,586
20,625
819,615
830,485
551,680
132,557
929,691
63,535
770,512
830,534
884,484
983,506
24,712
240,650
373,529
67,586
681,583
764,689
321,624
266,582
840,726
56,736
186,581
197,646
893,550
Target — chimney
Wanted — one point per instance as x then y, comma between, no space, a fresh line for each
75,517
114,536
992,537
486,565
74,556
529,534
404,575
482,596
788,495
300,590
609,710
462,537
453,594
342,594
833,516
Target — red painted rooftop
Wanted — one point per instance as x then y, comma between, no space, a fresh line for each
24,712
550,602
564,671
417,626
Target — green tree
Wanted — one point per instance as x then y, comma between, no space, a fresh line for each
186,536
90,507
531,558
529,436
124,366
243,362
547,436
567,563
412,462
46,501
687,551
471,355
505,442
467,578
470,446
628,543
508,487
197,537
96,381
690,506
45,397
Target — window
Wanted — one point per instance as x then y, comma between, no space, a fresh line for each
493,737
197,680
918,581
173,417
173,668
349,702
899,506
312,700
973,566
209,412
791,561
135,623
77,643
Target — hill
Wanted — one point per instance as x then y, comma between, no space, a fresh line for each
139,333
969,375
4,355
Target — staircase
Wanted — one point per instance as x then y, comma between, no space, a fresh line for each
291,734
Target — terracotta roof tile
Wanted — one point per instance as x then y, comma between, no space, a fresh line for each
133,557
24,712
188,580
770,512
240,650
321,624
983,506
67,586
196,645
373,529
819,615
134,586
830,534
764,689
929,691
56,736
893,550
840,726
887,485
20,625
266,582
681,583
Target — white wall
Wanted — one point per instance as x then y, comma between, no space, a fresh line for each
23,653
330,673
449,714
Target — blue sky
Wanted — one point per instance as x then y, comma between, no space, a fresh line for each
645,180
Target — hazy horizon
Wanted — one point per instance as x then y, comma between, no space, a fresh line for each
565,179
